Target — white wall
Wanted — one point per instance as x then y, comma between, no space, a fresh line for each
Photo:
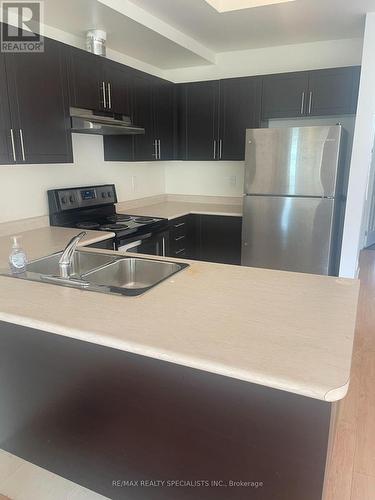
304,56
209,178
23,187
361,157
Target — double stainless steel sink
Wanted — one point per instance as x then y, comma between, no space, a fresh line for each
104,272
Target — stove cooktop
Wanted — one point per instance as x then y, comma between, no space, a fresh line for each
118,223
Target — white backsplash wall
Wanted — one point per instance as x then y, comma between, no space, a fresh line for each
210,178
24,187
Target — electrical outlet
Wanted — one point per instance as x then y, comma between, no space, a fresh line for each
233,180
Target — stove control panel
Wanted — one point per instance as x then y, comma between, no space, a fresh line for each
83,197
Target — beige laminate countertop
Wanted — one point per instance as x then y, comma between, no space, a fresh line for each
173,209
288,331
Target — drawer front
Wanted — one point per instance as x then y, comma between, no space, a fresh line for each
179,237
179,227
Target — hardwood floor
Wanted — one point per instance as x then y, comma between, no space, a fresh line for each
351,473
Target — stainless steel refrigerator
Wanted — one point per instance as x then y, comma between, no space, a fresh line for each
293,202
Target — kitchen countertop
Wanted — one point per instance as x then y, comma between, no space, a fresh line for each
173,209
284,330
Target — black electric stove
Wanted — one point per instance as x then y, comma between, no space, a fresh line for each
93,208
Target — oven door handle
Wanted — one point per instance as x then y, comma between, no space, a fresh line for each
134,244
129,246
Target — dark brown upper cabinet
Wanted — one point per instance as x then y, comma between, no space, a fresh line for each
284,95
99,84
214,118
152,107
145,146
88,85
311,93
164,119
6,156
38,106
239,110
333,91
199,108
117,84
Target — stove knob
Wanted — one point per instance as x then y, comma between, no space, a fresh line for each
71,199
109,194
64,199
104,195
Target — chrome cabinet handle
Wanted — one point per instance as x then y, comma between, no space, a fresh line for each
303,103
109,95
22,146
163,246
215,149
220,148
155,153
179,225
104,96
159,142
180,251
179,238
310,102
13,146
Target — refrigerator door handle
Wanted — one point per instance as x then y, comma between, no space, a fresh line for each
303,103
214,149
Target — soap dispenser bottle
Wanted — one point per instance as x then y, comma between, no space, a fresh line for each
17,257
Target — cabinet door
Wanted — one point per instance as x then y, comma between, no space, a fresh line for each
37,87
118,87
220,239
164,119
201,120
333,91
143,115
87,81
6,155
285,95
239,110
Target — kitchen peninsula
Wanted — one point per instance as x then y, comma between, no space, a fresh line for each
220,373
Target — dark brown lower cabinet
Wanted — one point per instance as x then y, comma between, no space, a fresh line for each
211,238
219,239
131,427
183,237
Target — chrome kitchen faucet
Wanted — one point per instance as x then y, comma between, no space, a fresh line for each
66,260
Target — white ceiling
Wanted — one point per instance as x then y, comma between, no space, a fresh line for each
282,24
181,33
227,5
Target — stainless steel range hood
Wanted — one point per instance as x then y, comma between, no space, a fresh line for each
84,121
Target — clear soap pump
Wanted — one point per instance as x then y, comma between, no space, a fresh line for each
17,257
